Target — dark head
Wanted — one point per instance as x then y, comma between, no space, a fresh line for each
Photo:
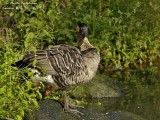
82,29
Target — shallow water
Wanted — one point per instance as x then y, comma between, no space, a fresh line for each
141,92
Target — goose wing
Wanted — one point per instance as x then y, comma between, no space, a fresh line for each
59,59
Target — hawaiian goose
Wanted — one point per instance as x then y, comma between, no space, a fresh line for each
65,65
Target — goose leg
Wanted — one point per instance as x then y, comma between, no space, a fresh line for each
68,107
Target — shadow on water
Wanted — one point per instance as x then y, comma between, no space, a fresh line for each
141,90
139,99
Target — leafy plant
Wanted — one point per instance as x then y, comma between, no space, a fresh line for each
17,93
125,32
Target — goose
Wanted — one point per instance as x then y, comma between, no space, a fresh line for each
64,65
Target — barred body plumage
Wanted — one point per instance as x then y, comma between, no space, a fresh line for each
66,64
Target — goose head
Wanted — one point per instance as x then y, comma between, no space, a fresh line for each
82,37
82,29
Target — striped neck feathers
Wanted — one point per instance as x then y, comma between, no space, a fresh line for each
84,45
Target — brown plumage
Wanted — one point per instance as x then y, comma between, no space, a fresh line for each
64,65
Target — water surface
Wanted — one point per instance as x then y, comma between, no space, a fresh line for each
141,92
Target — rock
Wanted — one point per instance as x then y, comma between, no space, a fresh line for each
52,110
99,87
49,110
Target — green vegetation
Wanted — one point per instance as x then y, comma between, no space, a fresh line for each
125,32
17,93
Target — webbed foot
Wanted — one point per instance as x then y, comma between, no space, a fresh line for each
71,108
